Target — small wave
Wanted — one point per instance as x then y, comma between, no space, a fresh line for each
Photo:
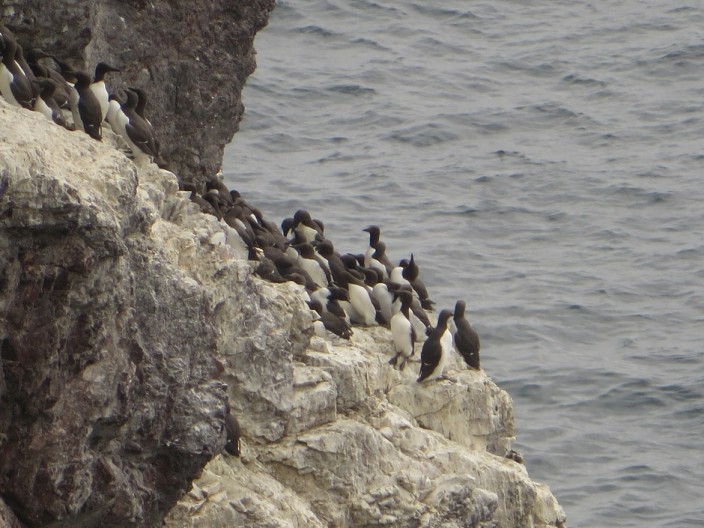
315,30
574,78
351,89
423,135
370,43
690,52
645,195
435,11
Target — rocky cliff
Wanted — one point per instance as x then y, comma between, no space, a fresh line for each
191,57
128,318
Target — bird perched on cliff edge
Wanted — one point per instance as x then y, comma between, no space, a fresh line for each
402,331
85,106
466,340
14,84
98,86
436,349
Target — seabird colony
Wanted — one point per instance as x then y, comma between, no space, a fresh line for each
343,290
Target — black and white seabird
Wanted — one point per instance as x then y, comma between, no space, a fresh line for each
98,86
314,265
45,103
288,268
330,322
214,182
330,299
396,275
466,339
141,105
233,433
436,349
411,272
362,309
14,84
419,319
85,106
337,267
138,130
374,256
309,229
385,298
404,335
133,129
62,94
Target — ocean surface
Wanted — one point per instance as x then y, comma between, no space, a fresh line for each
544,161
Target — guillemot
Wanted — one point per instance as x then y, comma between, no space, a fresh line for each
98,86
466,339
85,106
14,84
436,349
402,331
45,103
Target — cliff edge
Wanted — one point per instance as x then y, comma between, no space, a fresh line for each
192,58
128,318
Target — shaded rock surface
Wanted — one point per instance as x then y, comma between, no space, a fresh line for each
110,402
192,58
127,319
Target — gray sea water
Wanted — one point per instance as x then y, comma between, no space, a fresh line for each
543,161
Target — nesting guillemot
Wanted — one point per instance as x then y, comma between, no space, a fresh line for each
88,116
385,298
123,120
373,257
140,109
14,84
402,331
466,339
313,264
330,322
138,130
306,227
436,349
45,103
232,432
411,272
62,94
98,86
362,310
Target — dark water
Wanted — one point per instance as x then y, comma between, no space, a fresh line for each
543,161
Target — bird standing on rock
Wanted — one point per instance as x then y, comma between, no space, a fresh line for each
14,84
85,106
411,272
45,103
404,336
466,340
307,228
98,86
436,349
137,128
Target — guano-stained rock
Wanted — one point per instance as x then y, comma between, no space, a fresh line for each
128,318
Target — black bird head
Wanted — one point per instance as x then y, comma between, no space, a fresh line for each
101,69
459,309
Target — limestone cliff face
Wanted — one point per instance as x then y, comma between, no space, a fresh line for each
127,317
192,58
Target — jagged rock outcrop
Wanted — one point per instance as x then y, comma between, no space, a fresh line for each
127,317
192,57
110,402
365,445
